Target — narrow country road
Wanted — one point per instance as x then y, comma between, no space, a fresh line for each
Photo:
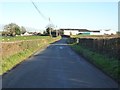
57,66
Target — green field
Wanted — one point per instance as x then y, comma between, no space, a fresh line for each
18,38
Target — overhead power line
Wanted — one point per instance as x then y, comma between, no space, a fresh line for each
38,10
43,16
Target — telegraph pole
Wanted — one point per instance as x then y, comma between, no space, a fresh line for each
43,16
56,31
49,28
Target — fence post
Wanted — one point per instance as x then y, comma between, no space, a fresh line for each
77,41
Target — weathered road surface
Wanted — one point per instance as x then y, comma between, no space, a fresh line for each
57,67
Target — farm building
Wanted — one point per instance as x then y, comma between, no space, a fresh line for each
87,32
75,31
26,34
107,32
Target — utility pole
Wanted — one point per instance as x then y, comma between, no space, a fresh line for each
49,28
50,32
43,16
56,31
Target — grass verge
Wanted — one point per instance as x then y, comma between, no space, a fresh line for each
109,65
10,62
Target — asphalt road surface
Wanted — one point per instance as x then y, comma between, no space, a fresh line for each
57,66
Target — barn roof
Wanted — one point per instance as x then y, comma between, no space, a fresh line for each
80,30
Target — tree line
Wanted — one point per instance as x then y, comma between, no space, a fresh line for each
13,29
52,32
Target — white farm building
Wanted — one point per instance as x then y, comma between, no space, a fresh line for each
87,32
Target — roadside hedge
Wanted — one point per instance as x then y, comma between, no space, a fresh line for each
102,52
106,46
15,52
